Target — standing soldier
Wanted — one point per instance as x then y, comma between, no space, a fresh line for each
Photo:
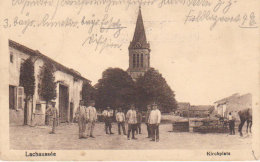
120,118
154,121
91,117
139,122
146,120
108,118
131,120
81,115
231,121
52,112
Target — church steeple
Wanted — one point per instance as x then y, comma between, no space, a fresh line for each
139,50
139,38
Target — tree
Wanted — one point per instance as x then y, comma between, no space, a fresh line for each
47,85
27,80
115,89
152,87
88,92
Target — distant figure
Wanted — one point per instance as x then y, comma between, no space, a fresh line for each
139,122
91,118
146,120
120,118
81,116
154,121
52,112
231,121
131,120
108,117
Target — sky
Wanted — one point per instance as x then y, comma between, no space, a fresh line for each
200,65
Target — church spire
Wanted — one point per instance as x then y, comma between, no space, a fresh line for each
139,50
139,38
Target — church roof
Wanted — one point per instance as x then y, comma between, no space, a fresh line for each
139,39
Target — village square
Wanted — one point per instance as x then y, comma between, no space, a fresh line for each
52,106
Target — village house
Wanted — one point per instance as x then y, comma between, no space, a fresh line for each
186,110
233,103
183,109
69,86
201,110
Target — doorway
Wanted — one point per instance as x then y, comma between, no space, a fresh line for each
71,111
63,103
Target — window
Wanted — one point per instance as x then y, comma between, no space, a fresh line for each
16,96
133,60
137,64
11,57
20,93
142,60
38,108
12,97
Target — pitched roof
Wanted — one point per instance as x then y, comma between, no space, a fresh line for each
183,105
37,53
201,107
226,99
139,38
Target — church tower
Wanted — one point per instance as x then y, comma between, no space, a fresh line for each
139,50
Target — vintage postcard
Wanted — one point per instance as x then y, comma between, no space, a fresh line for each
130,80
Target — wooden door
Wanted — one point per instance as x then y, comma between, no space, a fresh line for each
63,103
71,111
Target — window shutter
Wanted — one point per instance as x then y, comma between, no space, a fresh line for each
20,96
15,98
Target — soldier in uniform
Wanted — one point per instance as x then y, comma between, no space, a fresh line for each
146,120
154,122
108,118
139,121
131,119
120,118
231,121
81,115
52,112
91,118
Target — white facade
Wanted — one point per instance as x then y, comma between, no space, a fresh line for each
233,104
66,103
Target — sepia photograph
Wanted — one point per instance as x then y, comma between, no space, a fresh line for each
82,79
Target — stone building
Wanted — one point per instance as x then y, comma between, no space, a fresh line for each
233,103
201,110
183,109
186,110
69,87
139,50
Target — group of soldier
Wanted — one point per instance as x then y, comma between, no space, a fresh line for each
87,116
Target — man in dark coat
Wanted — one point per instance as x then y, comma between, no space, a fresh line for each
139,122
146,120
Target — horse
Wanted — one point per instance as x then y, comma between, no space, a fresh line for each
245,116
249,124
